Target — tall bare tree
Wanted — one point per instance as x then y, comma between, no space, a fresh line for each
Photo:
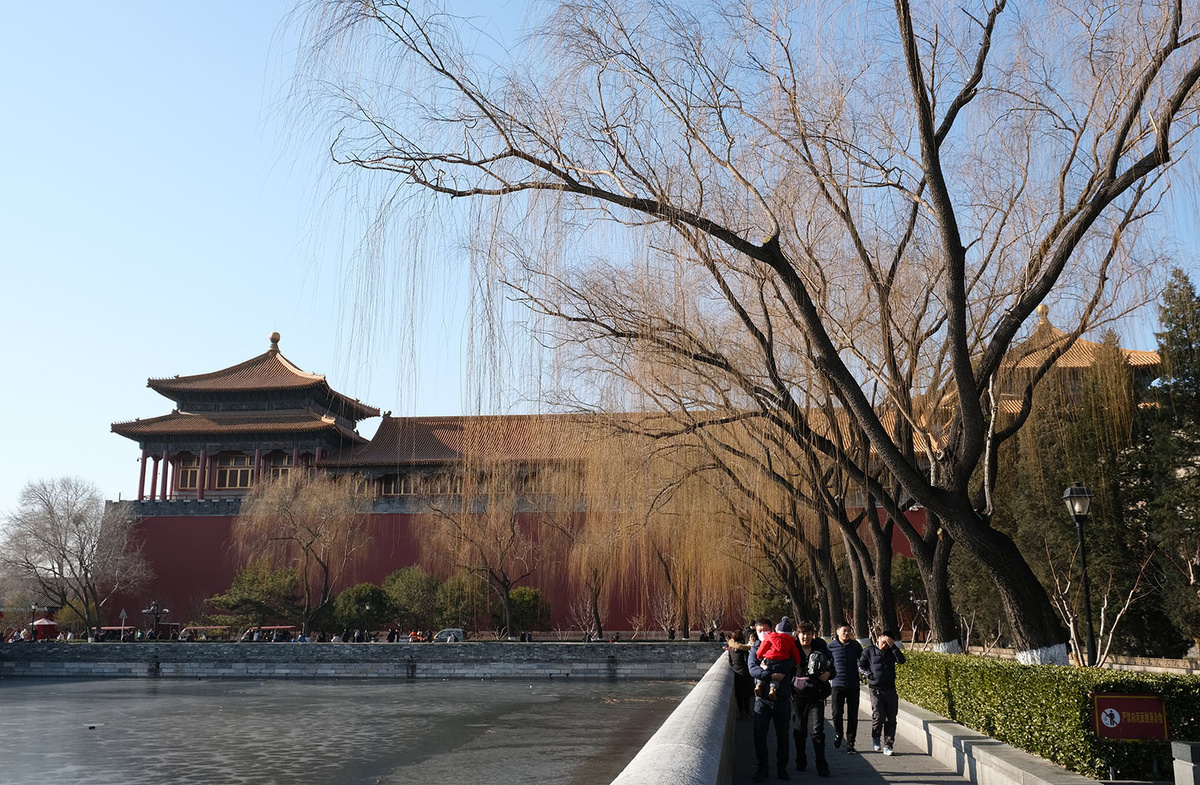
881,196
316,524
72,550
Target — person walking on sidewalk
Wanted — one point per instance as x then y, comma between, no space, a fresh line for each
845,651
808,703
768,711
778,656
878,663
738,652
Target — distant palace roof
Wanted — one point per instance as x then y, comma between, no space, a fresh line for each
436,440
230,424
270,371
1046,337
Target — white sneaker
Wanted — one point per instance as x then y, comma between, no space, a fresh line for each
875,745
887,750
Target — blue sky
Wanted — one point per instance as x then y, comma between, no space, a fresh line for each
158,216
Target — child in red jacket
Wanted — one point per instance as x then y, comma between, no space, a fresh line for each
775,651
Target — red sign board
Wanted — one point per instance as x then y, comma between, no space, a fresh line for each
1129,717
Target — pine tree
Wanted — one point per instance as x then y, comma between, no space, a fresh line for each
1164,466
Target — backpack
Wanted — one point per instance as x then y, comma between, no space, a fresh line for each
819,662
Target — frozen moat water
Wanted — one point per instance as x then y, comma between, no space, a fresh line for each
319,733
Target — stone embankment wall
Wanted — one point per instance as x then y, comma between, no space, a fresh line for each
471,660
1188,666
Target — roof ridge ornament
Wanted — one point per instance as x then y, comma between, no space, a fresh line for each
274,342
1043,312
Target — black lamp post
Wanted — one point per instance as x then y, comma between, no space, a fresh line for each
155,612
32,619
1078,499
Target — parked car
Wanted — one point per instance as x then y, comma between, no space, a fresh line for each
450,635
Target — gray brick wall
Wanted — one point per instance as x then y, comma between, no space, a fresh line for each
472,660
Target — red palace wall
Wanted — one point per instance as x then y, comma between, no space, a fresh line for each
193,558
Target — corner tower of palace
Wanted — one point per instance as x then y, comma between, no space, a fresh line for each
259,418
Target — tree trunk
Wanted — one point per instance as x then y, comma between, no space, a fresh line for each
1037,633
932,555
881,583
829,592
821,593
943,622
595,594
861,614
500,584
835,605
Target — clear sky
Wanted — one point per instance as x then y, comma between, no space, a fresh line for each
159,217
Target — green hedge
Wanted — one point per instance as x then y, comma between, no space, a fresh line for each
1047,710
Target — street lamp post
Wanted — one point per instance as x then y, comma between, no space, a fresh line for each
1078,499
155,612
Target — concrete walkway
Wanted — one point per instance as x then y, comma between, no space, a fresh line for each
908,765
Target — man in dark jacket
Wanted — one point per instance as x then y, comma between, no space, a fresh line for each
878,663
767,711
845,651
808,704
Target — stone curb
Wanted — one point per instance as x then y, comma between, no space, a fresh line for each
974,756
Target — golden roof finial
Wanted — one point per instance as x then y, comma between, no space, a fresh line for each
274,342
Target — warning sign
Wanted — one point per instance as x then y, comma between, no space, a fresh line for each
1129,717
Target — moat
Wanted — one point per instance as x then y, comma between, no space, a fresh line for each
277,732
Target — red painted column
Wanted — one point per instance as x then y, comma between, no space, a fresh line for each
202,480
154,478
142,477
295,459
166,483
257,465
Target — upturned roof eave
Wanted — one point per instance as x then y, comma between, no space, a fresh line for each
177,388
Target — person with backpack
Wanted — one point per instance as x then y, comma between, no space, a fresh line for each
768,712
808,700
778,656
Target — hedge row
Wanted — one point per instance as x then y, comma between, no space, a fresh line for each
1047,710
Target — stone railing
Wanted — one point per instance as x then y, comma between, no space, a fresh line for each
147,508
1187,762
694,746
483,660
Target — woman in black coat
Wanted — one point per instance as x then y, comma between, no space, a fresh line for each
737,651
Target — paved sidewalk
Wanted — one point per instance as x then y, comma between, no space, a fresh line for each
908,765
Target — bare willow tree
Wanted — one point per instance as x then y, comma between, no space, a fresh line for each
505,508
685,539
594,533
316,524
487,530
70,549
748,480
878,194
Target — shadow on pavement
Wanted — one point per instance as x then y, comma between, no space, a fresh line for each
908,765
